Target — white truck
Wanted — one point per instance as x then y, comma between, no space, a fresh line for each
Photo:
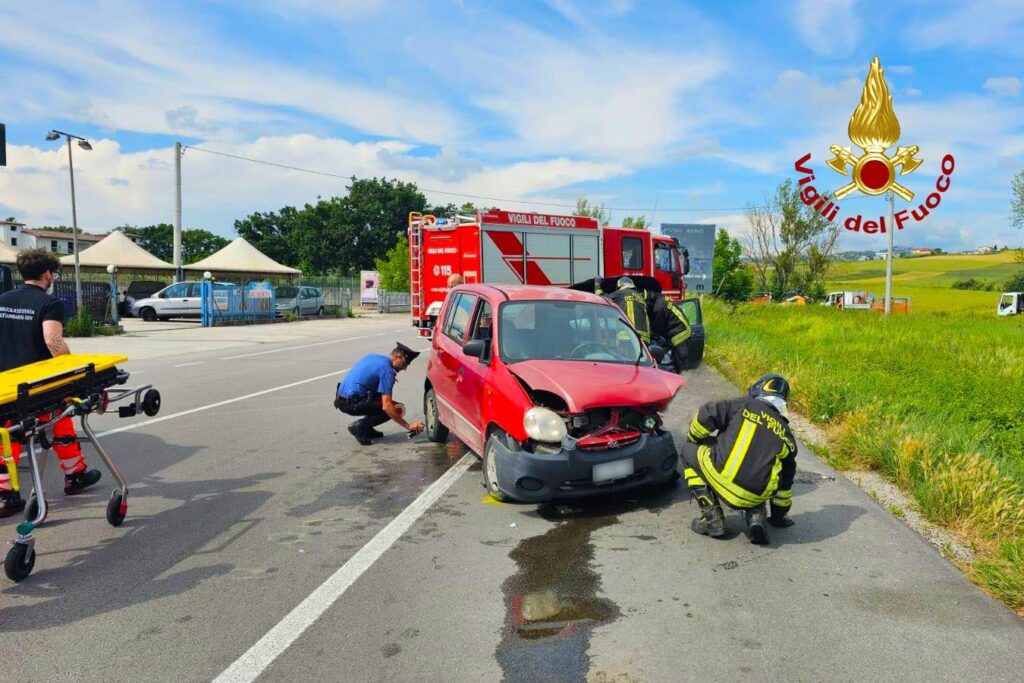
1011,303
854,300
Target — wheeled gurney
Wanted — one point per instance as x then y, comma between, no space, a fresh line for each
65,386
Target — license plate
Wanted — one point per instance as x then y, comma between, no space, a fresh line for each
613,470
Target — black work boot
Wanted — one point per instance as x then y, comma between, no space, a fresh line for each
11,503
712,519
757,522
356,430
80,481
376,434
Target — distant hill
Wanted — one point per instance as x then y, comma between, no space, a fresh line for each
928,280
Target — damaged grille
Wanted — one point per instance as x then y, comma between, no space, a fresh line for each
607,428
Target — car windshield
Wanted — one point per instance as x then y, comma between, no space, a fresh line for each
567,330
287,292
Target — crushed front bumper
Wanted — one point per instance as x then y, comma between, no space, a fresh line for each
569,472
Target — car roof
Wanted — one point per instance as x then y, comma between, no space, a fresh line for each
531,293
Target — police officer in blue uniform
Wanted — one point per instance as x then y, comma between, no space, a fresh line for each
366,392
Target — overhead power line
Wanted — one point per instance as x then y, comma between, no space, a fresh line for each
463,194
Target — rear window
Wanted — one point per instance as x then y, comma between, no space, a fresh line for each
458,318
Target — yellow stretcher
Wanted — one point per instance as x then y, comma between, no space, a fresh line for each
65,386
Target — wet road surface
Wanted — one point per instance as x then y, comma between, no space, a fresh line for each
241,511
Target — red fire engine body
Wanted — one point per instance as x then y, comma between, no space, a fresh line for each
530,248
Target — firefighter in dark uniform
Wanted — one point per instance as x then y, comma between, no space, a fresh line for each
651,312
742,452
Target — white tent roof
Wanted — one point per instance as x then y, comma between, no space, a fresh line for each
8,254
242,257
117,249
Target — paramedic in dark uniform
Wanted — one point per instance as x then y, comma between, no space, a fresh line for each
31,330
366,392
743,452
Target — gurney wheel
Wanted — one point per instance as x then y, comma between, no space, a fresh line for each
19,562
32,509
117,510
151,402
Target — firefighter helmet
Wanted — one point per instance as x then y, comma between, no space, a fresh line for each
625,282
770,385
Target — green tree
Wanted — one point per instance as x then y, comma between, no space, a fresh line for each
340,234
790,244
735,281
636,223
394,267
1017,200
60,228
196,243
598,211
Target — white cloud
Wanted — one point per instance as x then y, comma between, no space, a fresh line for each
114,187
979,24
829,27
1007,86
912,92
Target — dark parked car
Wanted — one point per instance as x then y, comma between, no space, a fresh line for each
136,291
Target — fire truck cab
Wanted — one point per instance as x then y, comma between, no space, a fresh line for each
534,249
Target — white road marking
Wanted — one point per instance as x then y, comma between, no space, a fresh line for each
278,639
185,365
293,348
155,420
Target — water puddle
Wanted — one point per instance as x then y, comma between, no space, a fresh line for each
552,604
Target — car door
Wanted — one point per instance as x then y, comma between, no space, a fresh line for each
449,358
473,378
695,344
173,301
194,301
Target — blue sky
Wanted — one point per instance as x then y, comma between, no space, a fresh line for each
683,112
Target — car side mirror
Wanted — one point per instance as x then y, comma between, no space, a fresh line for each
475,347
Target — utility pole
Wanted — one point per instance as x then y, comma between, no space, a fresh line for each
888,264
178,272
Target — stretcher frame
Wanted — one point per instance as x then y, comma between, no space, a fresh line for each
79,391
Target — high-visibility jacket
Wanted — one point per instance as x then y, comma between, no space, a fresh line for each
753,458
651,313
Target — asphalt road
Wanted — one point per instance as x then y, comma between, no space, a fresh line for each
244,508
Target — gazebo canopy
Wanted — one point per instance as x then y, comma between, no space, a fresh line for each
242,257
117,249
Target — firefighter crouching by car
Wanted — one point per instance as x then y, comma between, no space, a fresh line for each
651,312
750,461
366,392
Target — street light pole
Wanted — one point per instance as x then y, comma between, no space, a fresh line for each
84,144
74,228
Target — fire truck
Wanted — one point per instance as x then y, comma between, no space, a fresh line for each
531,248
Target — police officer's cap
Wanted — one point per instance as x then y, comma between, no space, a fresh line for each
408,353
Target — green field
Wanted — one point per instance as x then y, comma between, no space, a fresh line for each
928,280
934,401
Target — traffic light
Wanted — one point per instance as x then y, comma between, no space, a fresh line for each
3,145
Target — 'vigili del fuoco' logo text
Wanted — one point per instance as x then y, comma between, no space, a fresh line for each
874,128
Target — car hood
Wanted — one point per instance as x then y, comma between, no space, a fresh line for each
586,384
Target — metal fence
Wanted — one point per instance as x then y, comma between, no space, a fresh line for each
95,297
393,302
338,291
248,303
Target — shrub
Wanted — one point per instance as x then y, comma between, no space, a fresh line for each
80,325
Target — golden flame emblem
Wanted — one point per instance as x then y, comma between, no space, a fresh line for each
874,128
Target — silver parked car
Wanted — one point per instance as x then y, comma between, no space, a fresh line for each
299,300
181,300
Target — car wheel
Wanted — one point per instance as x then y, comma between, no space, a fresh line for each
148,314
436,431
490,469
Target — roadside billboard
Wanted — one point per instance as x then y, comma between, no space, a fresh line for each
369,281
699,240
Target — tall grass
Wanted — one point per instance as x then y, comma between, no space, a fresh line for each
934,402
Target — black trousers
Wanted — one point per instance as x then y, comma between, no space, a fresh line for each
368,407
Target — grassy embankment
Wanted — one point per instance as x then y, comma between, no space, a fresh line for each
928,281
934,401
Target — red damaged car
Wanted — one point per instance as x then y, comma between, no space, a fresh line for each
552,388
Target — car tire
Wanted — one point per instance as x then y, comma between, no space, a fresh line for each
436,431
489,469
148,314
